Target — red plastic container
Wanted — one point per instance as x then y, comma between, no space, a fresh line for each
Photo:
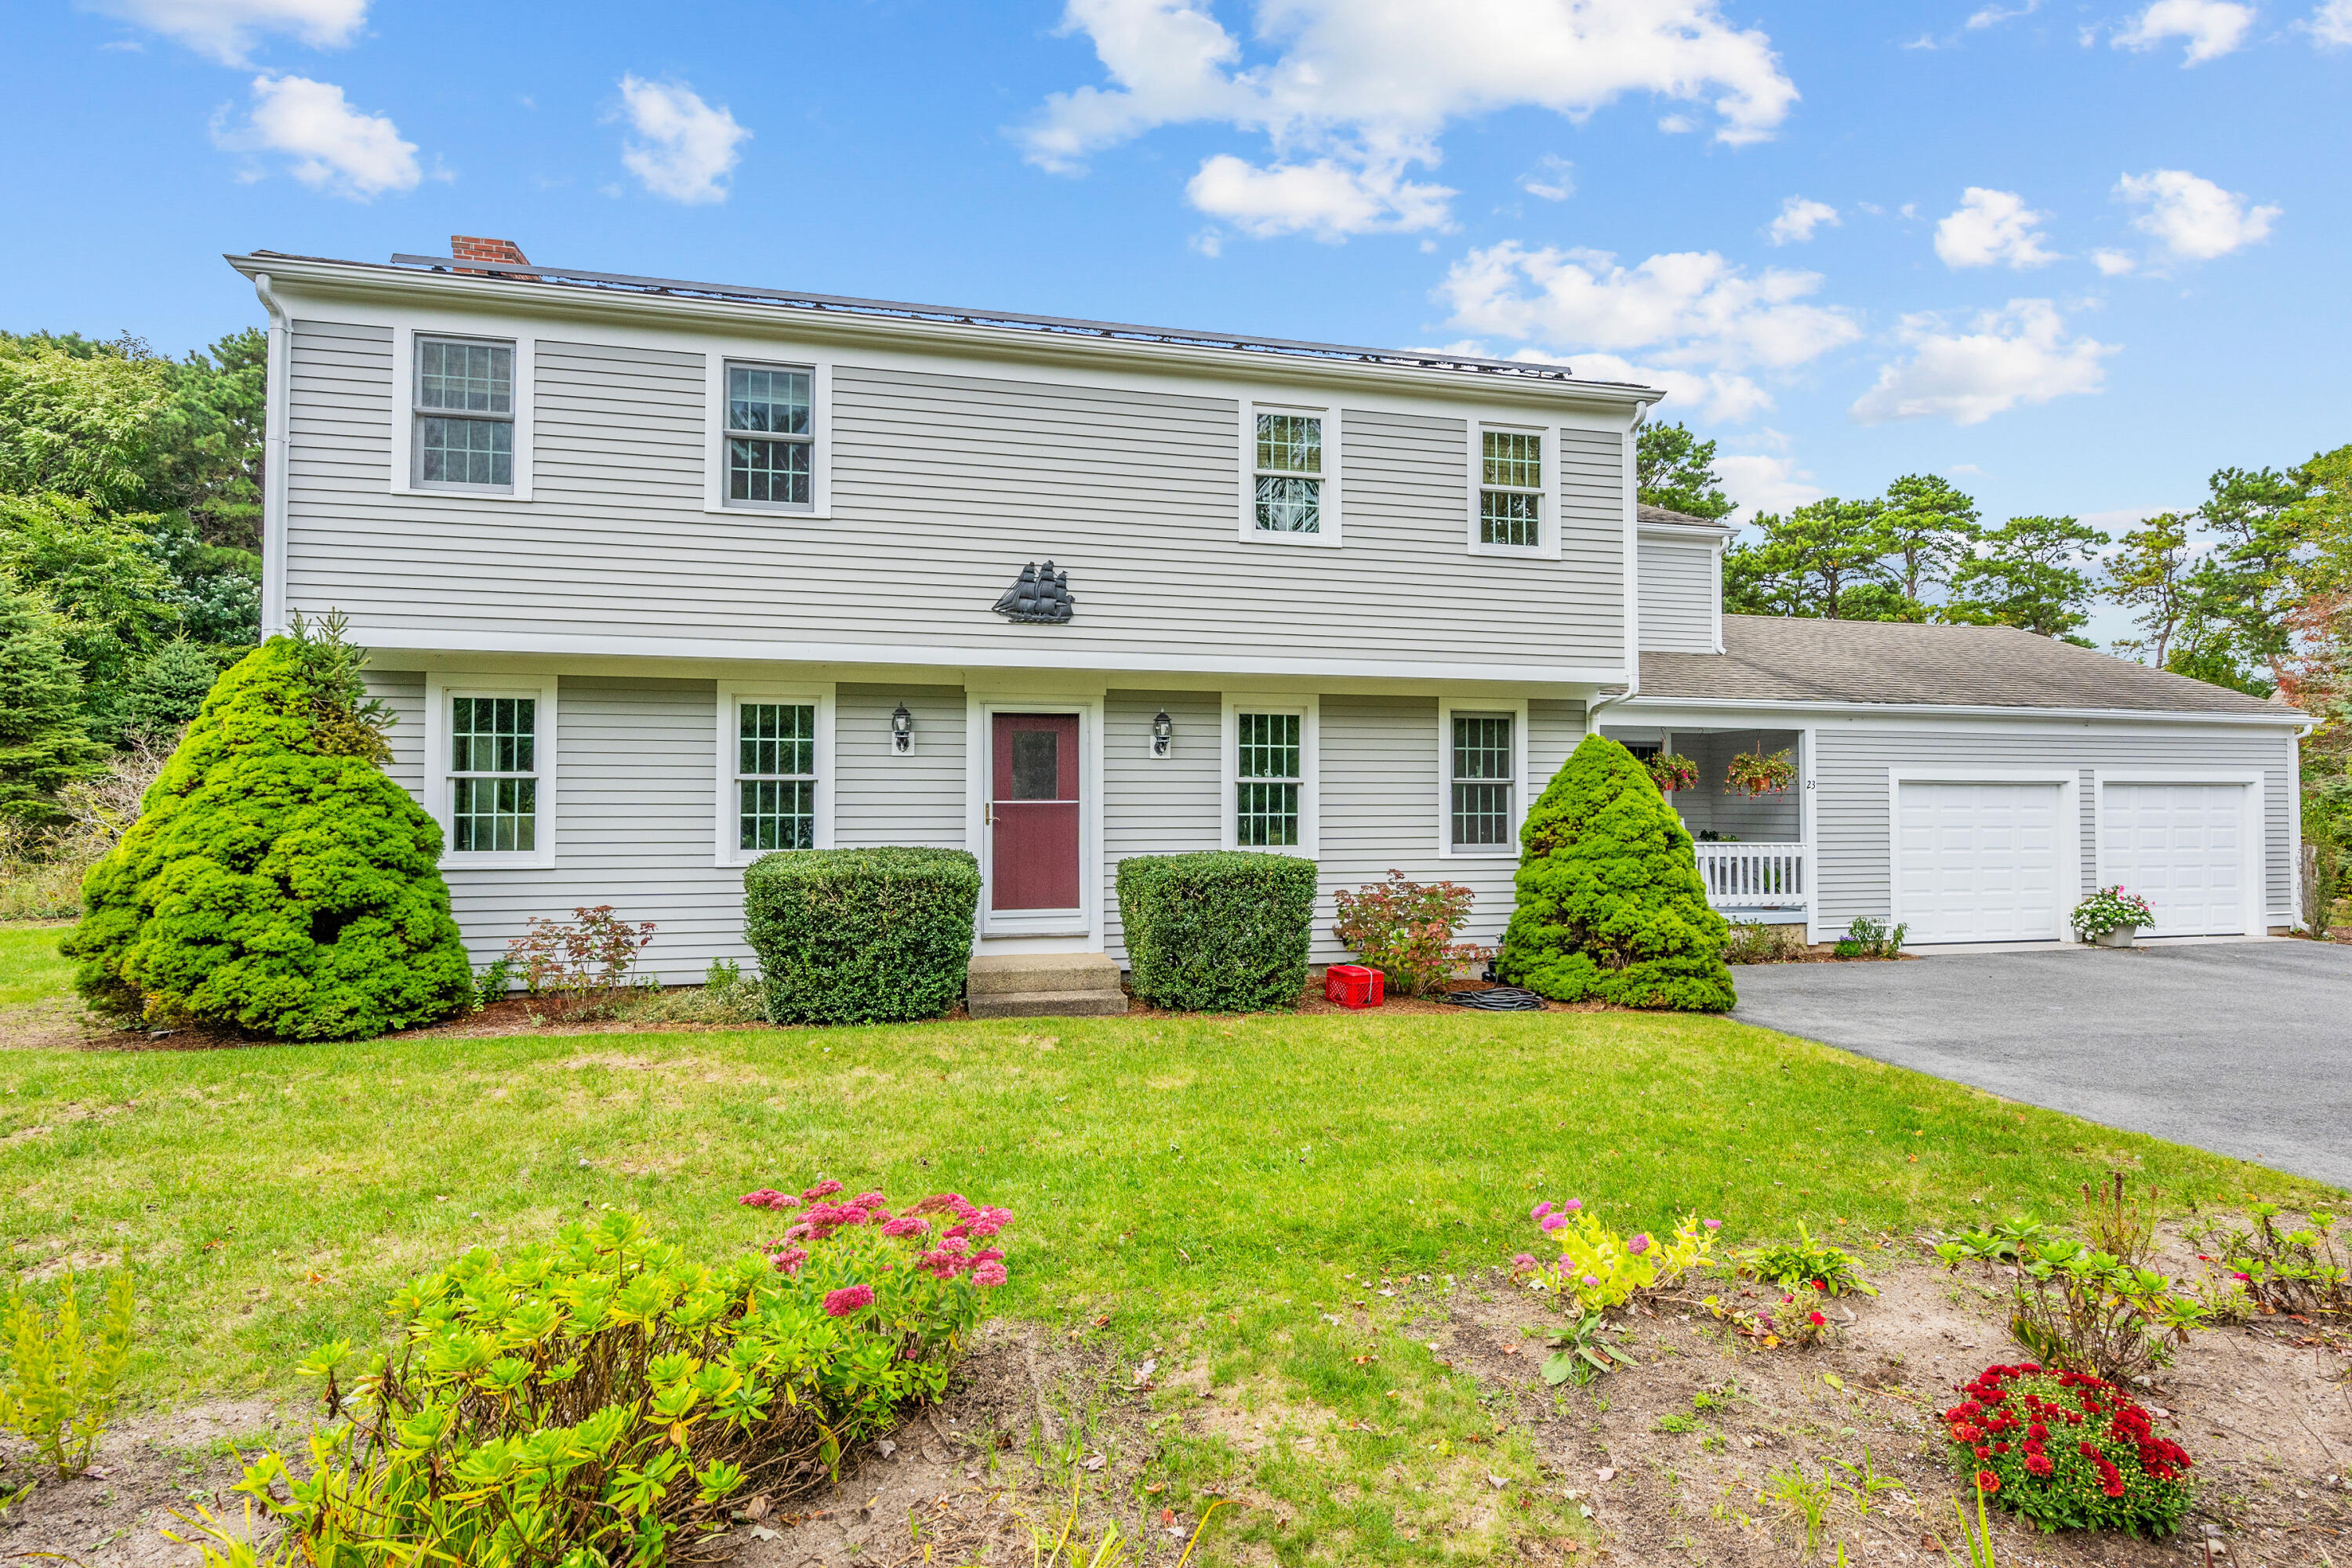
1353,985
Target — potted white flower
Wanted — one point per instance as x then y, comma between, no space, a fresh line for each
2111,917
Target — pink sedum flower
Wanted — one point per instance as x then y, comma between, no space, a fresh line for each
1572,1205
1555,1222
1592,1282
849,1299
822,1190
911,1225
1524,1263
991,1273
1640,1244
788,1260
1540,1210
1713,1224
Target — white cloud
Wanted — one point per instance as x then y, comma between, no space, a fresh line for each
226,29
1994,16
1684,310
1327,198
334,147
2019,353
1797,220
1989,228
2214,28
688,148
1759,482
2114,263
1723,397
2330,26
1370,85
1553,179
2193,218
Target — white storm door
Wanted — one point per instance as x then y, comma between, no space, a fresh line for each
1978,862
2181,846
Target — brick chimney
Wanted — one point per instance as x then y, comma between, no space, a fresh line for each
471,247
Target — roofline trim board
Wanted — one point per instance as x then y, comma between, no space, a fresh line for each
2286,718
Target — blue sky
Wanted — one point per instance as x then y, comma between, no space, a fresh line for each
2076,256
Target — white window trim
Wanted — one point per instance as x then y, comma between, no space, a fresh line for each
1548,545
2254,859
1310,710
439,689
714,430
1328,506
403,411
2070,838
1517,710
1056,928
726,826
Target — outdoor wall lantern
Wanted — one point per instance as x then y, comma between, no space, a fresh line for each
1163,731
902,731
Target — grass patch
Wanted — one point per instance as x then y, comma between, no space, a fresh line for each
30,968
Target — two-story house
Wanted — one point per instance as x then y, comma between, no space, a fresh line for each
660,577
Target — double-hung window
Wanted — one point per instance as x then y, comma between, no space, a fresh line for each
775,777
1290,478
465,414
770,437
1483,777
494,776
1511,489
1268,755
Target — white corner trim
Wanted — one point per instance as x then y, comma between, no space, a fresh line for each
1809,828
546,751
1309,709
2253,839
726,843
1085,923
714,434
1548,520
277,375
2070,818
1331,511
1520,784
404,413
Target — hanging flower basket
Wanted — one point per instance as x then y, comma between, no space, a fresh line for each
1671,772
1753,773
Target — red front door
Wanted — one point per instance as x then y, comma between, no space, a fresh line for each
1033,812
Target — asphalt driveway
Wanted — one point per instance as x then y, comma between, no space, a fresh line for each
2241,1048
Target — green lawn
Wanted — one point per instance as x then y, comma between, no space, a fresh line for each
1204,1183
30,968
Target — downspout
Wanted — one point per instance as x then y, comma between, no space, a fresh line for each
277,370
1632,584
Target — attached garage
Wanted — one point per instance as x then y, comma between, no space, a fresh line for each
1984,860
2187,846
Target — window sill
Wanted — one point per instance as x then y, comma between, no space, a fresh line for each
1272,536
753,508
471,492
1516,552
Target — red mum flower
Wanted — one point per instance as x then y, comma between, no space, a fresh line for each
1987,1482
2039,1464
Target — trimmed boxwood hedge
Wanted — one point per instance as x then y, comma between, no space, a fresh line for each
861,936
1221,931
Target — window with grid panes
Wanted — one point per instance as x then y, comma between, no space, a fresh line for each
770,435
1483,778
465,414
1290,473
775,776
1510,489
1265,788
494,775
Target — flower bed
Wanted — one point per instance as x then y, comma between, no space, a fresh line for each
2066,1450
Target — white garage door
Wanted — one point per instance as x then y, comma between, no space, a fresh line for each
2183,847
1978,862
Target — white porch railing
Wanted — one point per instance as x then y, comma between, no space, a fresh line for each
1755,875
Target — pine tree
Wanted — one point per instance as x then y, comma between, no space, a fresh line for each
1609,900
277,883
43,741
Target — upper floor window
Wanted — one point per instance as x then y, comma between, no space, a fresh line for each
1510,489
1290,481
1483,776
465,414
770,435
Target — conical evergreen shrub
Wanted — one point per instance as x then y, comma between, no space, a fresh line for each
1609,900
276,882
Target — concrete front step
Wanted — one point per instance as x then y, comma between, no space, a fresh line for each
1045,1003
1041,972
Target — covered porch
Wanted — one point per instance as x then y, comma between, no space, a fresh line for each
1752,845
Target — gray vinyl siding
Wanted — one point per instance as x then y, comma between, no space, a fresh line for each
1677,595
1158,805
943,486
1853,874
881,797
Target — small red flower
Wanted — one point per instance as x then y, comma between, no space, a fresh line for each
1987,1482
1815,1318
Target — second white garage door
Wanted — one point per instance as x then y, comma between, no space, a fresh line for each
2183,847
1978,862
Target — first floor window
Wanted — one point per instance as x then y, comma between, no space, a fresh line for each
1288,472
775,776
1510,489
1482,780
494,775
770,435
465,412
1266,792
